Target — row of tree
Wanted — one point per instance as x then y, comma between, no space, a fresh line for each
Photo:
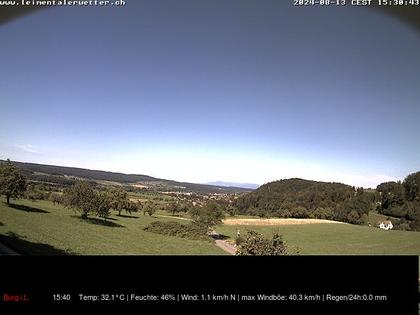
203,219
84,198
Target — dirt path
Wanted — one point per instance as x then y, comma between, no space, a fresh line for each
222,243
226,246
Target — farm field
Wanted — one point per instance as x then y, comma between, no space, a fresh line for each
275,221
335,238
43,228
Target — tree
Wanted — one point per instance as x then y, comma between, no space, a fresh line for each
119,199
412,187
56,198
149,208
103,204
208,216
81,197
173,208
353,217
299,212
323,213
354,210
31,193
231,210
183,207
392,196
12,182
133,206
415,223
255,244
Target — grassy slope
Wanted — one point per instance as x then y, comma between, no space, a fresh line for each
338,238
63,230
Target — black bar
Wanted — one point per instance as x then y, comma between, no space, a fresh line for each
382,284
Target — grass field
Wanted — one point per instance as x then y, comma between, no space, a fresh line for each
337,239
43,228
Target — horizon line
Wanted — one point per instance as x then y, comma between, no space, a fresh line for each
183,181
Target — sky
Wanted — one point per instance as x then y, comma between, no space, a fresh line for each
200,91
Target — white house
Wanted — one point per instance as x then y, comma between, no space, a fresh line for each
386,225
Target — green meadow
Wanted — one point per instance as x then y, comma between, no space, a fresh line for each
337,239
43,228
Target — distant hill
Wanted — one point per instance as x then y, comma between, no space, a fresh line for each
232,184
300,198
66,175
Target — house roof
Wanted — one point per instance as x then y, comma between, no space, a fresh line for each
386,222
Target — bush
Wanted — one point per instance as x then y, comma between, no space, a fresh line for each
255,244
56,198
239,240
402,225
189,231
323,213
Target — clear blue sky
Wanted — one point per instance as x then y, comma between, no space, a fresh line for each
245,91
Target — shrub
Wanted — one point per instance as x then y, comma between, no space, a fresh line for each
56,198
189,231
323,213
402,225
239,240
255,244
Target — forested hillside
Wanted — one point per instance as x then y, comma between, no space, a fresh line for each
299,198
402,200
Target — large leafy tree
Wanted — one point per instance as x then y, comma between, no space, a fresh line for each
81,197
208,216
149,207
12,182
412,187
103,204
119,199
392,198
173,208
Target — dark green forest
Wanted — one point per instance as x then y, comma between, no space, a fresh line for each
299,198
402,200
